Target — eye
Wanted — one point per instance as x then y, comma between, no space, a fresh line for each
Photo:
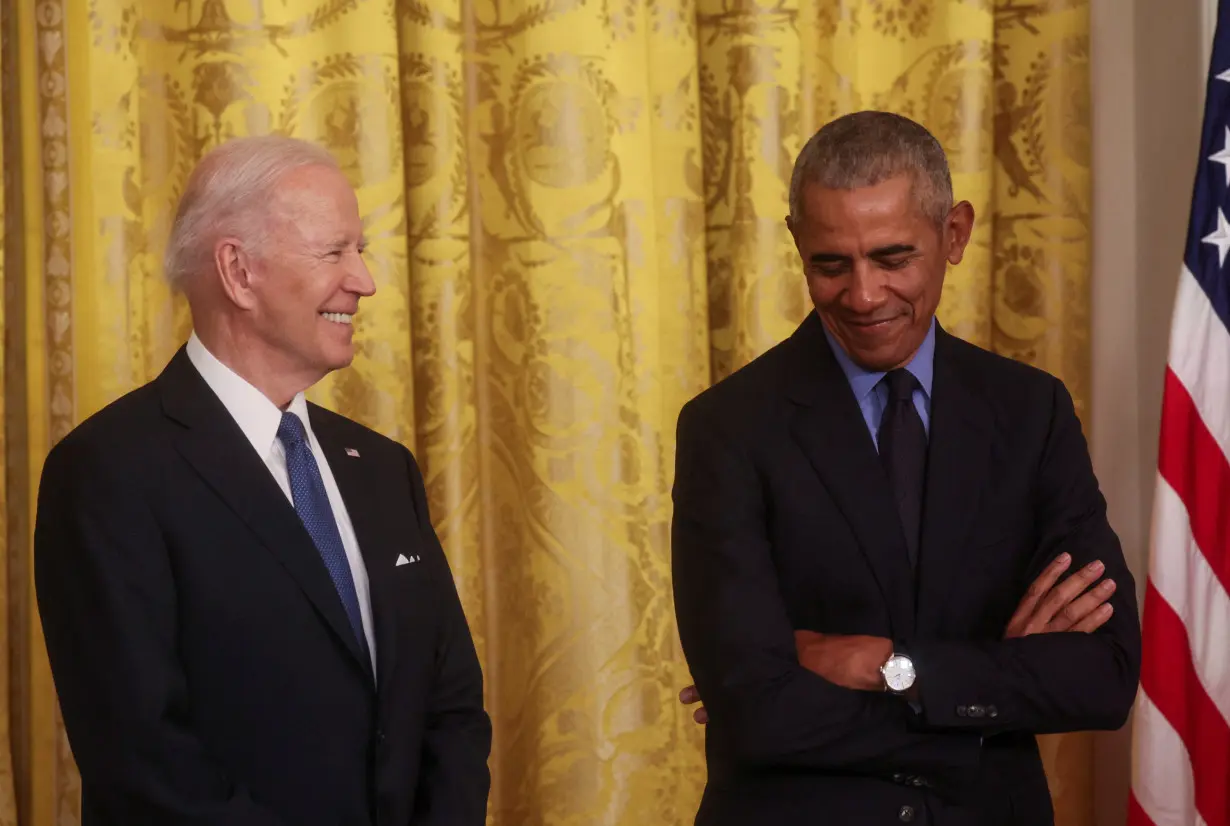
828,270
894,263
333,255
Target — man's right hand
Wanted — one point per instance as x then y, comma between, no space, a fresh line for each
690,696
1070,605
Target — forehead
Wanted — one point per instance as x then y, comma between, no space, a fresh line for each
315,195
885,208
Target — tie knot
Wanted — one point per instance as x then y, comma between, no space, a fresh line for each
901,385
290,430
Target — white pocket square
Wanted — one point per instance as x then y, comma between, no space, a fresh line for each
402,560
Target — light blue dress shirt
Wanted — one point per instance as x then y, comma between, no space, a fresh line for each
873,396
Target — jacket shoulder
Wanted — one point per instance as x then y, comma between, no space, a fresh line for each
118,428
354,432
750,391
1008,384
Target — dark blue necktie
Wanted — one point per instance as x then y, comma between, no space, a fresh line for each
903,450
307,487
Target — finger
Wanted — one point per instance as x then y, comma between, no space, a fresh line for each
1068,590
689,695
700,715
1095,620
1037,589
1081,607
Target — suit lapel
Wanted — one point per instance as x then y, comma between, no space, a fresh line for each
958,460
360,491
829,427
213,444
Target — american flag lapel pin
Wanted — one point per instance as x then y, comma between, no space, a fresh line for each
350,451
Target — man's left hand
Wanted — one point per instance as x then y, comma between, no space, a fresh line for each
850,661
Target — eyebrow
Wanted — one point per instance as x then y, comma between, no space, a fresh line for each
338,243
879,252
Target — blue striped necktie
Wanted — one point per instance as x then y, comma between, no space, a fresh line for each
307,487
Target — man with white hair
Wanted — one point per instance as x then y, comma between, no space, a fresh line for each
249,617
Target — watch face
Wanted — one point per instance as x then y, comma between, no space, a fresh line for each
898,673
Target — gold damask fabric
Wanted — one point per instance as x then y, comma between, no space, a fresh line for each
576,210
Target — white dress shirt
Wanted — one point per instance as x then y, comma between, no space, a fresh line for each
259,418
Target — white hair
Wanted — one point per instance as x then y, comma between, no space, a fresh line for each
227,195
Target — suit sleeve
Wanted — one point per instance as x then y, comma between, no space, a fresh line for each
1054,682
106,595
454,781
769,711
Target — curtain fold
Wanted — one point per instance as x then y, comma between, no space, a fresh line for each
576,219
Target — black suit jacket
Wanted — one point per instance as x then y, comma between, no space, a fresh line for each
784,520
205,666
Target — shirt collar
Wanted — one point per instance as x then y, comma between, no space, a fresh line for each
863,381
256,416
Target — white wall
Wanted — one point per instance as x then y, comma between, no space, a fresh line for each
1149,62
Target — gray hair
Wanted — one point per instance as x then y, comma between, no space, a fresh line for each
227,195
867,148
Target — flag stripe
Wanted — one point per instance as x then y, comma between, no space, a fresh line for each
1169,679
1191,462
1136,815
1163,798
1200,357
1187,583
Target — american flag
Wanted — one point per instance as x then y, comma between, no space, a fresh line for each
1181,735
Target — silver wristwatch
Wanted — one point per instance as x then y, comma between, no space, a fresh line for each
898,673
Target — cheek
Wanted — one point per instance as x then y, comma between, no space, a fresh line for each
823,291
916,285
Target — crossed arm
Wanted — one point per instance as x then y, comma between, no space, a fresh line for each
787,697
1075,605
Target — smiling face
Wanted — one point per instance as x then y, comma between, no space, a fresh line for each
308,277
875,265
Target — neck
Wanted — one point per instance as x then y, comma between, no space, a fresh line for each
255,362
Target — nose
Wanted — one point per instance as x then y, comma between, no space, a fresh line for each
867,291
359,279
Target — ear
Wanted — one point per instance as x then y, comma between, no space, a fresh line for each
794,230
959,227
234,267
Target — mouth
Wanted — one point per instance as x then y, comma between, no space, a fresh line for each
873,324
338,318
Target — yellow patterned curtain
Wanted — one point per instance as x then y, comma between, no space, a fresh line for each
576,218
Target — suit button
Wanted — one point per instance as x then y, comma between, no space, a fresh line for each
992,711
898,778
961,711
976,711
906,815
379,735
918,781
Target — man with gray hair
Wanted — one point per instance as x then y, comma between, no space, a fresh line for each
249,617
873,522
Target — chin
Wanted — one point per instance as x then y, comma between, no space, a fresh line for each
335,358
